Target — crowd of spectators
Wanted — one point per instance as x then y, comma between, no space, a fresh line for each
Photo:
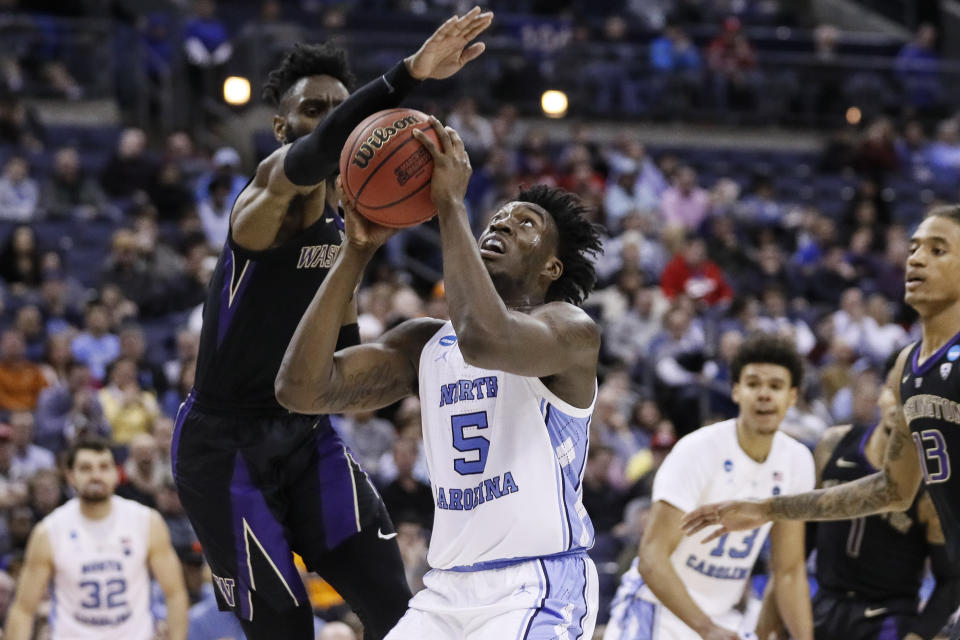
698,253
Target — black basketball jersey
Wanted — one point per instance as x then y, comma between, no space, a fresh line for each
255,301
874,558
930,395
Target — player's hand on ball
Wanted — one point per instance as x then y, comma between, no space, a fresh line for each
362,233
451,165
446,51
731,516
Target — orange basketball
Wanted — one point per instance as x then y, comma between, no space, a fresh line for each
386,172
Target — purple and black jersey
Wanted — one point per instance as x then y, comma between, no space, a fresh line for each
930,395
255,301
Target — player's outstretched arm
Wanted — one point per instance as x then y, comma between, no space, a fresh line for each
165,567
660,539
313,378
890,489
301,167
34,578
552,339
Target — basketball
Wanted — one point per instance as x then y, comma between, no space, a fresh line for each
386,172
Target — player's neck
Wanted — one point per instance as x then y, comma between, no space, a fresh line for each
96,510
755,445
938,328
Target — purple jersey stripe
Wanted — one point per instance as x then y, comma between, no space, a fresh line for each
236,277
338,488
182,414
256,528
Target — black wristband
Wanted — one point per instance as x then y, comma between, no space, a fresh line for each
349,336
313,158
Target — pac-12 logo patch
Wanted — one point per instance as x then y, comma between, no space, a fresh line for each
945,369
449,341
954,353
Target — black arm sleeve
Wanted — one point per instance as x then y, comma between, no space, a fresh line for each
315,157
945,597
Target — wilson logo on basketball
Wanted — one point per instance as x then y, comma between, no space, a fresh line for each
378,138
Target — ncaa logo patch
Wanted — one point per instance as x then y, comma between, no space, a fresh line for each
954,353
728,465
449,341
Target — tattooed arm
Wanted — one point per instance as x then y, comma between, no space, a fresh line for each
313,379
890,489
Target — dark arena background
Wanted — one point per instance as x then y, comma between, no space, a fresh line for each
757,165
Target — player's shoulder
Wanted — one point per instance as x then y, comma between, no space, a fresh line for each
127,506
787,445
65,511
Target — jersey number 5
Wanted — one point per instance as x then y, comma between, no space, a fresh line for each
933,453
470,444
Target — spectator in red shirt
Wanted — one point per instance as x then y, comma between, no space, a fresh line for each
732,62
692,273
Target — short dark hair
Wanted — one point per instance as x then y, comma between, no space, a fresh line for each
307,60
951,211
90,443
578,241
766,348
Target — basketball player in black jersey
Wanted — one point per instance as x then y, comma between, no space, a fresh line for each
870,569
258,481
926,434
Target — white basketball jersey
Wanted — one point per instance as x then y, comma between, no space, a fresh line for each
101,584
506,459
709,466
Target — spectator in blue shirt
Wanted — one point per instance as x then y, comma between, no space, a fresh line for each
96,346
918,68
673,51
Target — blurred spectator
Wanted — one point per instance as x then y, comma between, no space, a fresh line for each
336,630
913,150
45,492
368,436
831,277
406,496
412,540
21,381
674,52
944,153
58,356
69,409
127,269
180,150
13,488
188,346
143,473
28,458
603,501
214,211
824,78
170,194
475,130
226,163
732,61
877,155
774,318
20,126
96,346
131,170
691,273
918,68
206,46
129,409
625,193
57,306
19,194
760,206
20,259
69,192
685,203
678,352
627,338
30,324
20,522
133,346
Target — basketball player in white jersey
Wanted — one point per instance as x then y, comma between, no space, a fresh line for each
681,589
507,388
99,549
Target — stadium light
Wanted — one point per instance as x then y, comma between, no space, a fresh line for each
854,115
236,90
554,103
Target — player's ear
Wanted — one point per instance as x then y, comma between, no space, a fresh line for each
794,392
735,394
553,269
279,124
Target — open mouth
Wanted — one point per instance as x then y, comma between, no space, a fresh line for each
766,412
914,281
492,244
